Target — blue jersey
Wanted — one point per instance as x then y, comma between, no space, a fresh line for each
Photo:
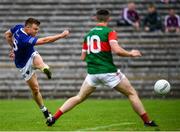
23,45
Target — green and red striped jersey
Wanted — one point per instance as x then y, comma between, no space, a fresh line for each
98,50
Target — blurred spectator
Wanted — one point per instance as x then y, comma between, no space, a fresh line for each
172,22
168,1
165,1
130,16
152,21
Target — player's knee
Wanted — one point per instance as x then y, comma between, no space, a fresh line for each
132,92
35,90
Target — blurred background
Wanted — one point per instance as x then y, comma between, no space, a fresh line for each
161,50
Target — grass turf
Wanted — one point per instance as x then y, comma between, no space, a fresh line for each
93,115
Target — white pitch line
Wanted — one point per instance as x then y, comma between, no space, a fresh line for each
107,126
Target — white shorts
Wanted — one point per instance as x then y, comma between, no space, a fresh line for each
107,79
28,70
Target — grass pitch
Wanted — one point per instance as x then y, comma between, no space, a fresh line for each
91,115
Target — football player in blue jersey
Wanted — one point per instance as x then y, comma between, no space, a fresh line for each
22,39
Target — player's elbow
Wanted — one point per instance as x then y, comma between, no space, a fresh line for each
48,40
117,52
42,41
121,53
6,35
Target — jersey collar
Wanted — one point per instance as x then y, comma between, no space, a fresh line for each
23,31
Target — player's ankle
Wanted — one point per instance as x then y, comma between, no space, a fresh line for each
45,111
46,67
46,70
145,118
58,114
43,108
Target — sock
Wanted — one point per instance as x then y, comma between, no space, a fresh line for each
145,118
43,108
45,111
58,114
46,67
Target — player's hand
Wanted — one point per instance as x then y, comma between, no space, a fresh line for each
65,33
135,53
11,54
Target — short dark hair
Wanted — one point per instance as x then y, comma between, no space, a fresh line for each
151,6
31,21
103,15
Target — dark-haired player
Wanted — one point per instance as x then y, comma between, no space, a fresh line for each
96,51
22,39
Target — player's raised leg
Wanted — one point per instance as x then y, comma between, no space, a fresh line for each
33,84
126,88
39,63
84,92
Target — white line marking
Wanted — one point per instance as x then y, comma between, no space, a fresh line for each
107,126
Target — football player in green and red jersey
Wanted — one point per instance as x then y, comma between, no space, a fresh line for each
96,51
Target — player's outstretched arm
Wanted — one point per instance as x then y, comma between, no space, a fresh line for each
122,52
8,36
53,38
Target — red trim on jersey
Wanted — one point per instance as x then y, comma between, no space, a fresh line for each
112,36
84,46
104,46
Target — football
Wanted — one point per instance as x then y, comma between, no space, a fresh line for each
162,87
